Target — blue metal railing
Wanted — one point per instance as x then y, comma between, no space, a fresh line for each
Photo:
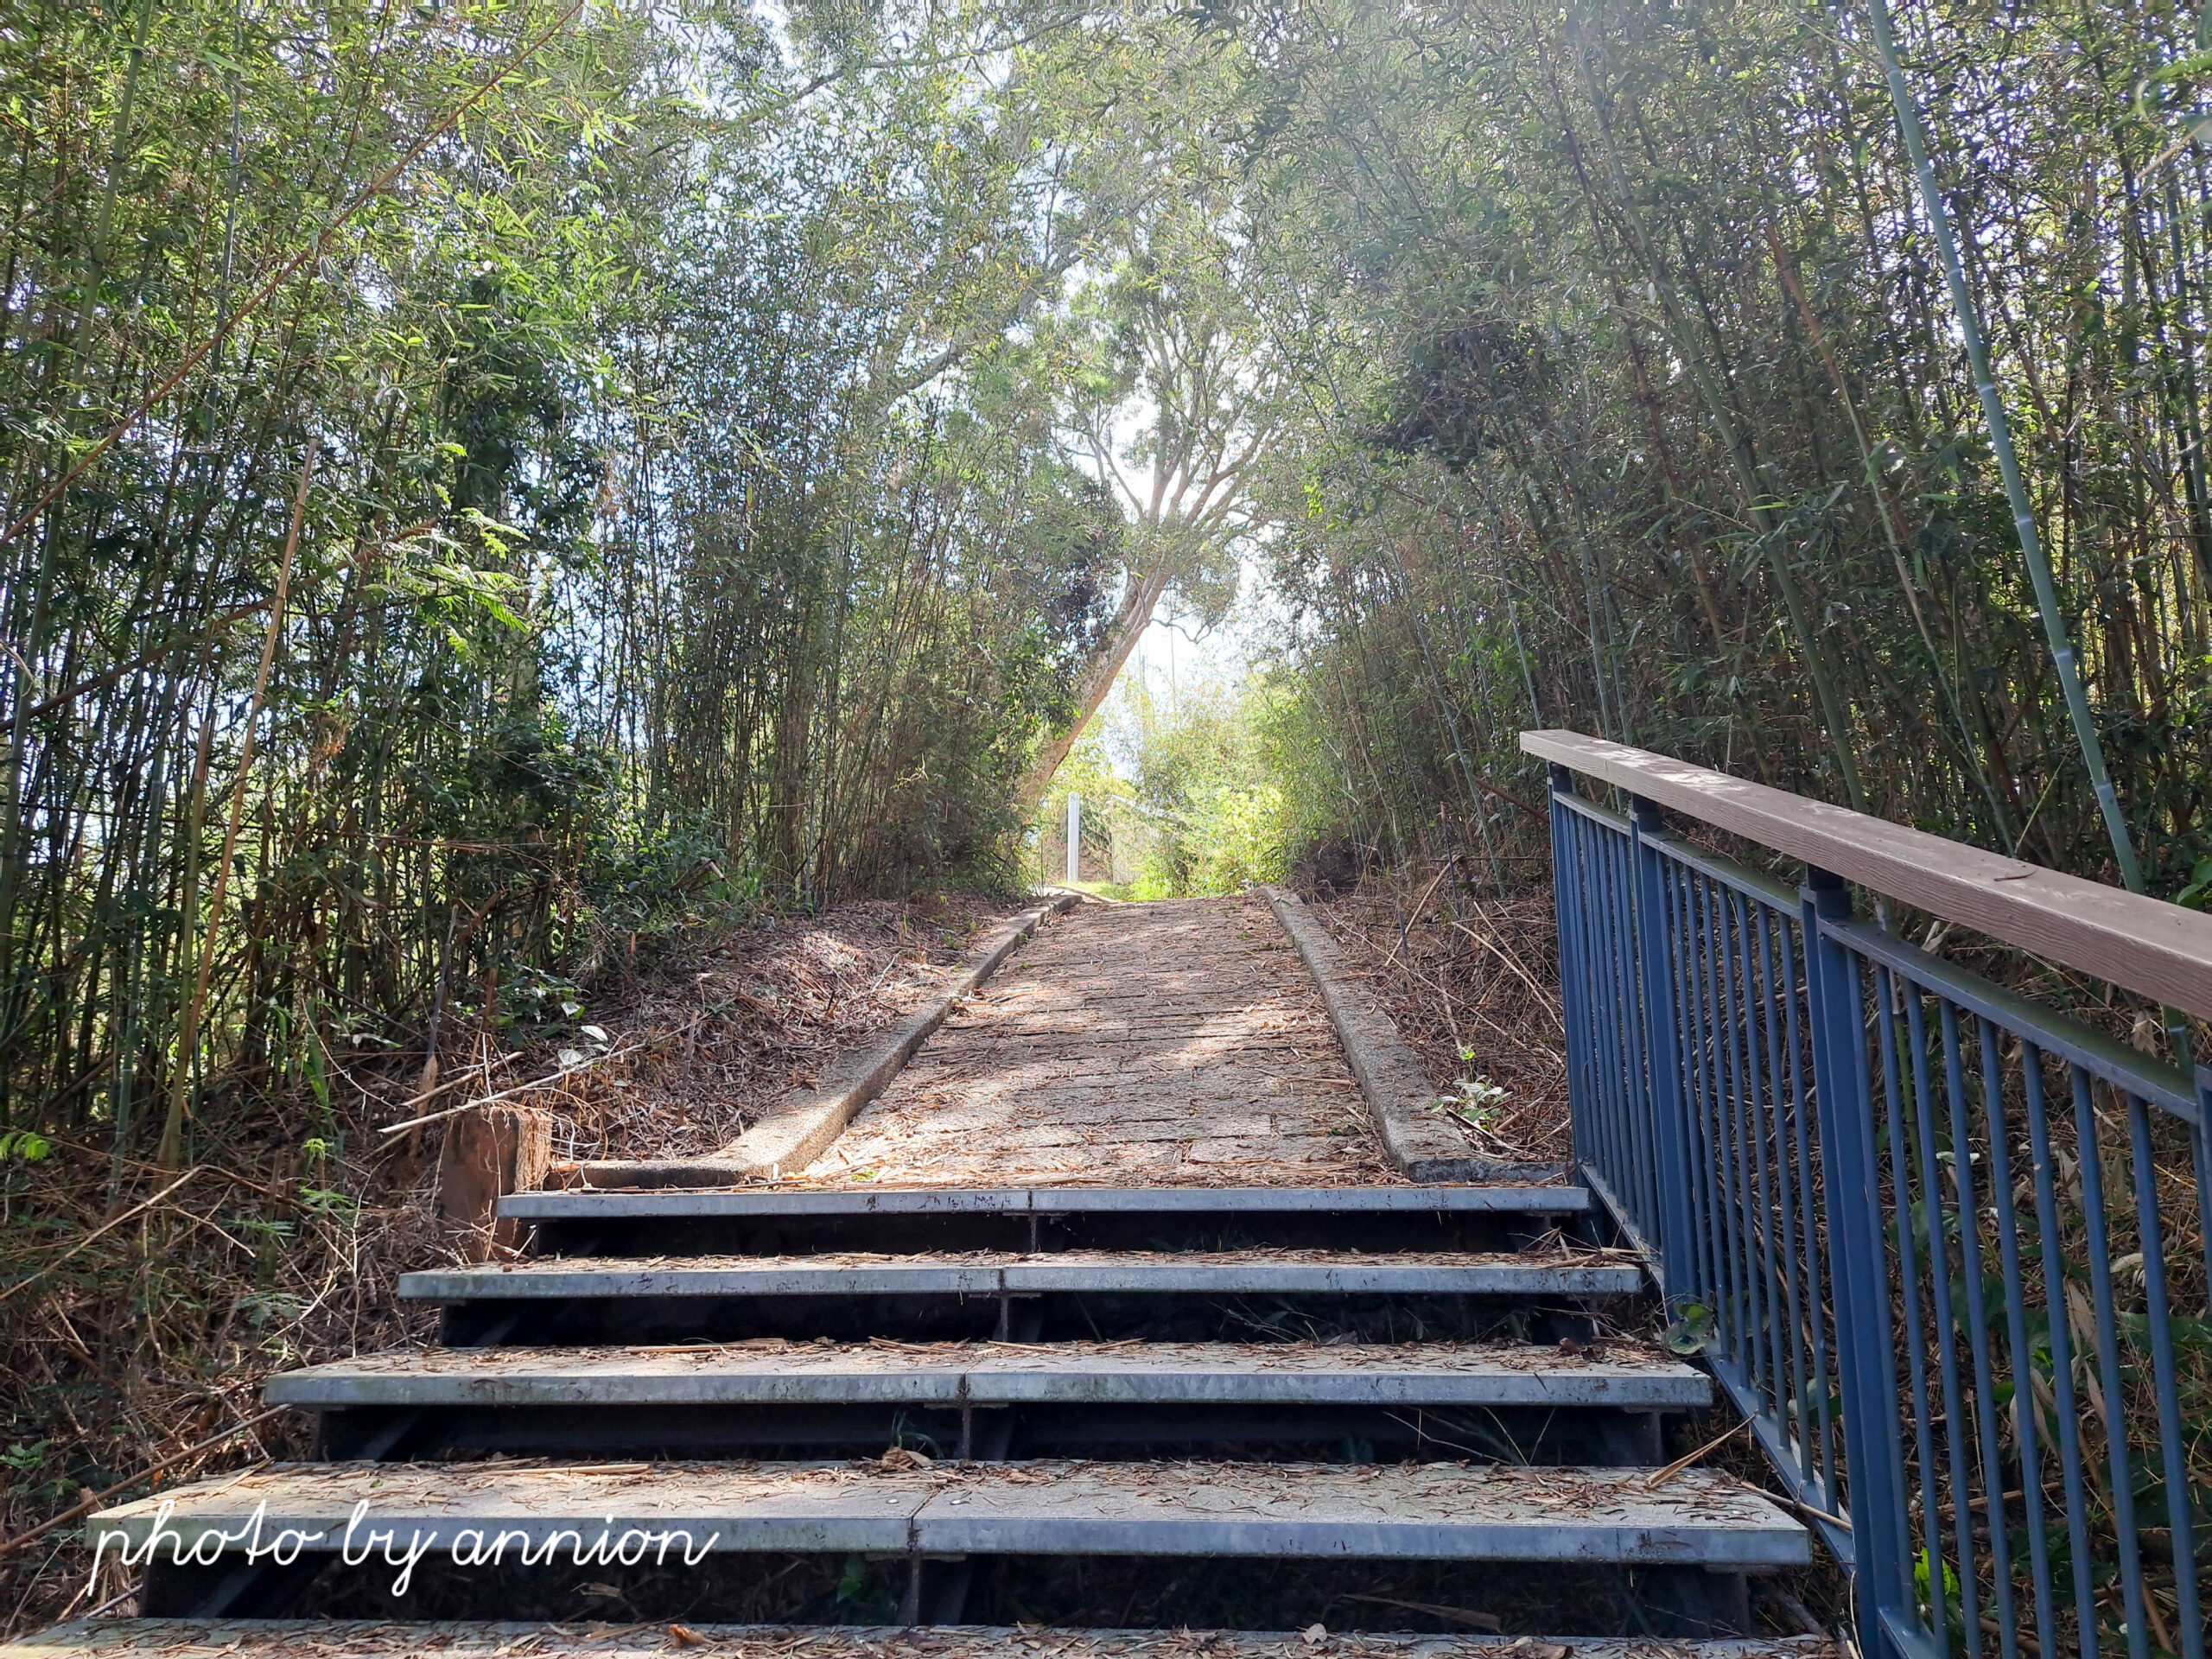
1946,1248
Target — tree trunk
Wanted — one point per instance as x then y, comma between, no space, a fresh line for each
1098,678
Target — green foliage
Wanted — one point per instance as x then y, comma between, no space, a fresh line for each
675,547
1691,1332
1201,803
1474,1099
1632,408
1924,1591
2197,895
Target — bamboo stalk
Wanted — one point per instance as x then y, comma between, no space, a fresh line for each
188,1027
1963,309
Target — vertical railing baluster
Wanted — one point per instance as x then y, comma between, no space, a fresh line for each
1794,1252
1962,1432
1819,1285
1743,1029
1605,1031
1946,1343
1728,1092
1566,893
1663,1059
1774,1205
1599,1038
1985,1378
2199,1148
1875,1462
2015,1328
1886,990
1636,1188
2096,1229
1714,1280
2172,1431
1625,1068
2064,1407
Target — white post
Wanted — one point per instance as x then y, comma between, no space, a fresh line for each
1075,837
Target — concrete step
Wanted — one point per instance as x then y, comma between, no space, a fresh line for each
951,1374
1513,1402
600,1299
787,1220
289,1638
1423,1512
987,1273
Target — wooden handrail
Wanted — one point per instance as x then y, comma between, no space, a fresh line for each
2145,945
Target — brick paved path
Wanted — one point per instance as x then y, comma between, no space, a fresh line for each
1174,1044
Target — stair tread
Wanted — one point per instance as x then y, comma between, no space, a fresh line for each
987,1271
1621,1374
849,1199
1431,1511
113,1638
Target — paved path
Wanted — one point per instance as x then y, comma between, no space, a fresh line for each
1175,1044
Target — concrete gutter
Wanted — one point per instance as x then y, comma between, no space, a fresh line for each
801,1125
1423,1144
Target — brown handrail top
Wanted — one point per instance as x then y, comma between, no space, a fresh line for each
2145,945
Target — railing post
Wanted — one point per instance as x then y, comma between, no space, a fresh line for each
2201,1151
1567,902
1662,1064
1873,1448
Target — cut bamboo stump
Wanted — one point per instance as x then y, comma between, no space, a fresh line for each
490,1152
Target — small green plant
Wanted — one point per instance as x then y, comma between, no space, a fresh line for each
259,1308
1474,1099
541,997
856,1601
25,1147
1923,1581
854,1577
2197,895
1692,1332
28,1458
328,1204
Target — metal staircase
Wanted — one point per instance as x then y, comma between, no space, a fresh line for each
1374,1409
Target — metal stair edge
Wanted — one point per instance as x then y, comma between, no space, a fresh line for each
1431,1511
952,1373
129,1638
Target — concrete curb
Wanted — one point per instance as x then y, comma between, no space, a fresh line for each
802,1125
1399,1093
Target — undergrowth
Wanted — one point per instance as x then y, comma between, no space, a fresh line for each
141,1309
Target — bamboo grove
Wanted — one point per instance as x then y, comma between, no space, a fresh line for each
476,500
1671,437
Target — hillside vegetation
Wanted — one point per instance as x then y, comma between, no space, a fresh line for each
499,497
